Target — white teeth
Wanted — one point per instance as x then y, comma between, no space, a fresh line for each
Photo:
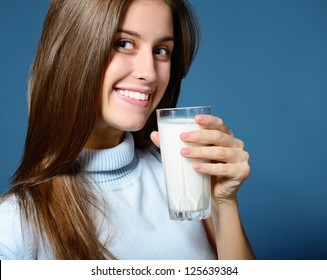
133,94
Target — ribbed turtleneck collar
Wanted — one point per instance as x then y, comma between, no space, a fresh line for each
108,159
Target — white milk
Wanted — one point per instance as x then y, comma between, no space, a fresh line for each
188,190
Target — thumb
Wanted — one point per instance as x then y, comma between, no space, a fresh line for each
155,138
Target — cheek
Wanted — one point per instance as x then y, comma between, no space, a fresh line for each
116,70
111,76
164,76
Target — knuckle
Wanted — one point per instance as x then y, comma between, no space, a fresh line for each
241,172
246,156
241,144
218,136
200,152
222,153
246,170
212,169
220,122
223,169
199,135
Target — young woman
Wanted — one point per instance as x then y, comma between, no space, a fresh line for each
90,184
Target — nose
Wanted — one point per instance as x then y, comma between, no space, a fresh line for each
145,66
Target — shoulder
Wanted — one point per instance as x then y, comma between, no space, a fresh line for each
9,214
9,227
8,208
11,237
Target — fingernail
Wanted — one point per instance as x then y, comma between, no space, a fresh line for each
185,135
186,152
197,167
200,118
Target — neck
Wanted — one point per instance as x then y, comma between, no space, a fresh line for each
104,138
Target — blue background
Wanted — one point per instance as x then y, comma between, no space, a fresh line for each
262,66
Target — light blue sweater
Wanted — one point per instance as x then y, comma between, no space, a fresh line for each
132,185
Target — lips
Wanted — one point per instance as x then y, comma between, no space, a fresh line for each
133,94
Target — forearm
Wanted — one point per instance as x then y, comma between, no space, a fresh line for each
231,240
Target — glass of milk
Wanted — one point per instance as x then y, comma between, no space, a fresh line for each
188,191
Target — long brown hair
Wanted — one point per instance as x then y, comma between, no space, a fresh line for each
64,97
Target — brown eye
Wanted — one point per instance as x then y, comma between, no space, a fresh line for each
124,45
162,52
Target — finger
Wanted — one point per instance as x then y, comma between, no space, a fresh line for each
155,138
214,153
235,171
212,122
212,137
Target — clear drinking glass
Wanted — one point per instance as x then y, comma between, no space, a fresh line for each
188,191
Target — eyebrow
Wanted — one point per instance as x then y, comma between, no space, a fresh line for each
135,34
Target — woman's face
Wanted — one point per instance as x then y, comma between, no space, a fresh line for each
138,72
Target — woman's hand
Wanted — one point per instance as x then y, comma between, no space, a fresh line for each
228,162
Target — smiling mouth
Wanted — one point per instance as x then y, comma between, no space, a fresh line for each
134,94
